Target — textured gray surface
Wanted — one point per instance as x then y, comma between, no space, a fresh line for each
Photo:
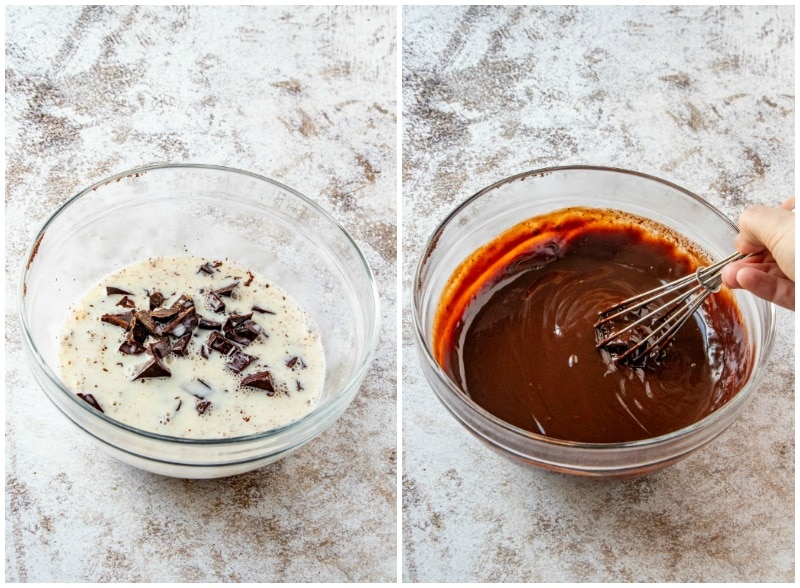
703,97
306,96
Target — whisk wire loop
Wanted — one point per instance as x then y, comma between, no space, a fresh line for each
663,322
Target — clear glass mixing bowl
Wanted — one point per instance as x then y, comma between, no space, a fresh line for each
211,212
500,206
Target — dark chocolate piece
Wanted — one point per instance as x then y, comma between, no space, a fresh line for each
137,331
236,319
181,344
239,361
118,320
160,349
226,290
240,329
216,304
143,317
185,322
245,333
260,380
249,279
204,351
131,348
91,401
126,302
296,361
208,324
206,269
156,300
112,290
164,314
220,344
153,369
203,382
202,406
262,310
183,302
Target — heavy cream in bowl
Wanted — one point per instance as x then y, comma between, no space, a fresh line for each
194,348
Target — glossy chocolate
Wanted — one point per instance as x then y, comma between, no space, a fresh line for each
523,347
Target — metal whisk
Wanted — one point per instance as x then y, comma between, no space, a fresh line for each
657,327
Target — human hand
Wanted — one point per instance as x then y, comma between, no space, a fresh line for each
768,233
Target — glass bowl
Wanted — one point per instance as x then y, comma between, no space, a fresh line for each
500,206
211,212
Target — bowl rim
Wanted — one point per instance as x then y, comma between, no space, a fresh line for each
318,414
467,403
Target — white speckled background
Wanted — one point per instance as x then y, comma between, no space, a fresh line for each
304,95
700,96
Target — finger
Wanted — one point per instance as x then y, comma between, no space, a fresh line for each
771,228
769,267
760,257
729,272
766,286
729,275
788,204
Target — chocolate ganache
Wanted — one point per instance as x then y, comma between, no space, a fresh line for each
515,330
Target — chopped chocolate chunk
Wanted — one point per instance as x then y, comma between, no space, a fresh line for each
262,310
118,320
204,383
112,290
185,322
244,333
153,369
249,279
202,406
137,331
159,349
217,264
90,400
239,361
204,351
183,303
208,324
240,329
181,344
299,385
226,290
164,314
143,317
206,269
236,319
180,402
295,361
156,300
220,344
131,348
260,380
216,304
126,302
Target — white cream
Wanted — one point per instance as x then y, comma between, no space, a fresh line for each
91,363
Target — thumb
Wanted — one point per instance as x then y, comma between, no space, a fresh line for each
764,227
